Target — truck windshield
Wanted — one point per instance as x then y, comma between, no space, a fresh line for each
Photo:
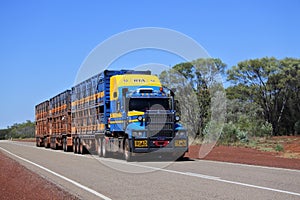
139,104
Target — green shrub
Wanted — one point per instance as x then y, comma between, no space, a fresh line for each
279,148
229,133
262,129
242,136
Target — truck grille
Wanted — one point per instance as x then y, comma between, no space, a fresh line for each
159,123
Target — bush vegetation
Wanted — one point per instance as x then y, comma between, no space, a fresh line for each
263,97
19,130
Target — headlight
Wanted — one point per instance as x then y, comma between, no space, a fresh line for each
181,134
140,118
177,118
138,134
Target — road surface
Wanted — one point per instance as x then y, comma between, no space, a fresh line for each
91,177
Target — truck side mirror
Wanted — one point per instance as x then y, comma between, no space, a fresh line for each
172,92
124,91
125,102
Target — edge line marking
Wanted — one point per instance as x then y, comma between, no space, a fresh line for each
60,176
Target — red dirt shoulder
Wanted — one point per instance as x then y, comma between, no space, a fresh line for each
17,182
245,156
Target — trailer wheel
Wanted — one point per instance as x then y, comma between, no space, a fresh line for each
41,142
46,142
74,146
78,145
99,147
53,144
64,144
127,151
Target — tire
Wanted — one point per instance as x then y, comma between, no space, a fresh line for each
53,144
41,142
46,143
69,148
74,146
127,151
64,144
78,145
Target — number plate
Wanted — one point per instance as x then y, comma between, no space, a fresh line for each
180,143
141,143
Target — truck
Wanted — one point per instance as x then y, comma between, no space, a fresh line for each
123,112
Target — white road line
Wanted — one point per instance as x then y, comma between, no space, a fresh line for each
202,175
247,165
60,176
260,187
209,178
45,149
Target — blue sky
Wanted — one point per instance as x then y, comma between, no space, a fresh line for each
43,43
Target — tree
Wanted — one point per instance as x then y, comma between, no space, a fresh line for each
246,117
272,84
23,130
290,82
195,82
3,134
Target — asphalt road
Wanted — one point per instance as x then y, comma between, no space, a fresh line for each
91,177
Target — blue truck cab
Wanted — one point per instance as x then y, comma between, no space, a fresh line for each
143,113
